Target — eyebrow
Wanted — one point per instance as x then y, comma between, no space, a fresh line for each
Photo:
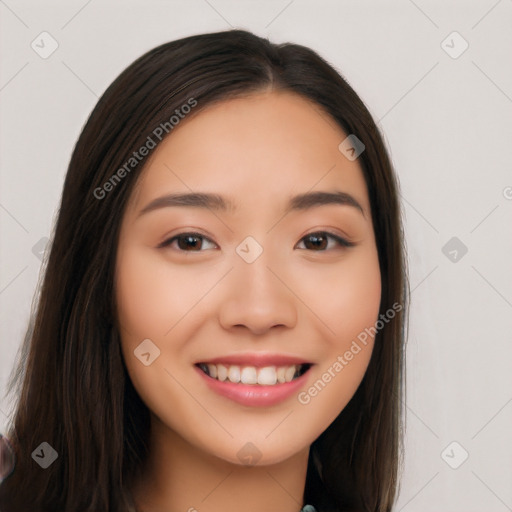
216,202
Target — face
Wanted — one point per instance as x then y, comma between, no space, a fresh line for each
270,283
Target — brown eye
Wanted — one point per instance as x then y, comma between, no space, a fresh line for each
187,242
319,241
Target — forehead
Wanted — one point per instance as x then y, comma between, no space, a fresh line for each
257,149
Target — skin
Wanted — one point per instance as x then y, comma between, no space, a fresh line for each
196,304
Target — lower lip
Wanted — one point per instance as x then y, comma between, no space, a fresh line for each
255,395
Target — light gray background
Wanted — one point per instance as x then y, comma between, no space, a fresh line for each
448,123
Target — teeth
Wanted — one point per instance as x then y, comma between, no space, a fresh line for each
234,374
249,375
222,372
212,370
289,373
267,376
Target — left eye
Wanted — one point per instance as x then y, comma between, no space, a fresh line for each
318,242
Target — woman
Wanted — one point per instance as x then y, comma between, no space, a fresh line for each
221,322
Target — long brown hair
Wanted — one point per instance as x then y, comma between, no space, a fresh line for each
72,387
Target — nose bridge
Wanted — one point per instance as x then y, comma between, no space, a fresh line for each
252,269
257,298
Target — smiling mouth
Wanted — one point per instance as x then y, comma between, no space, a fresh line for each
264,376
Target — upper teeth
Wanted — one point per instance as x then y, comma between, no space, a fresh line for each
267,376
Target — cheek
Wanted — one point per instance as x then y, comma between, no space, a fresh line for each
346,298
347,302
161,302
152,296
151,299
146,308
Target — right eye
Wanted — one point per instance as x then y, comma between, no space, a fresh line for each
186,242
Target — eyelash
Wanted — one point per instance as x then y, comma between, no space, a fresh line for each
339,240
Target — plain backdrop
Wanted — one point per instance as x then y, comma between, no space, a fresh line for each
436,76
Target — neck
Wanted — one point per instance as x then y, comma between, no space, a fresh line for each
179,477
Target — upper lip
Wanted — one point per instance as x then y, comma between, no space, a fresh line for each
256,359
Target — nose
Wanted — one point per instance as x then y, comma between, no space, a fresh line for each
258,298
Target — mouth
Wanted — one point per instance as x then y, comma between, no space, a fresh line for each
252,375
